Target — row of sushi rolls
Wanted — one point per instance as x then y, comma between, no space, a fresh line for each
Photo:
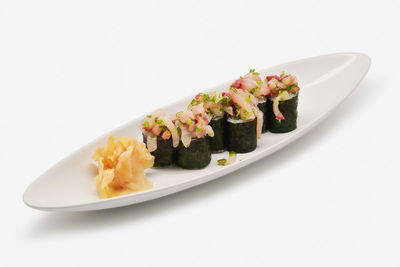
231,120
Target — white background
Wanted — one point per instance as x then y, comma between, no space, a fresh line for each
72,70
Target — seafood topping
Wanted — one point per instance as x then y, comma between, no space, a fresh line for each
253,84
159,125
193,123
213,104
243,106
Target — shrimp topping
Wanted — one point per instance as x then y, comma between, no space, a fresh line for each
252,83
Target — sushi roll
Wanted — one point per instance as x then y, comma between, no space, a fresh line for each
193,151
212,104
244,123
161,138
252,83
282,103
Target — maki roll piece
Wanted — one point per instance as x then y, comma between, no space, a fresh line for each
282,103
252,83
194,130
161,138
212,106
244,123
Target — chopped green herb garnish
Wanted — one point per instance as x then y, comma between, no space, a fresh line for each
237,112
224,162
226,101
221,162
253,71
146,124
205,97
192,103
149,116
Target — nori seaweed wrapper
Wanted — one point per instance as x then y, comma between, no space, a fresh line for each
196,156
218,143
241,135
262,105
289,110
164,155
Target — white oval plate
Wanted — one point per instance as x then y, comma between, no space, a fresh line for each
325,81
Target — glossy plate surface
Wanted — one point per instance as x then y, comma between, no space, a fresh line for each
325,82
